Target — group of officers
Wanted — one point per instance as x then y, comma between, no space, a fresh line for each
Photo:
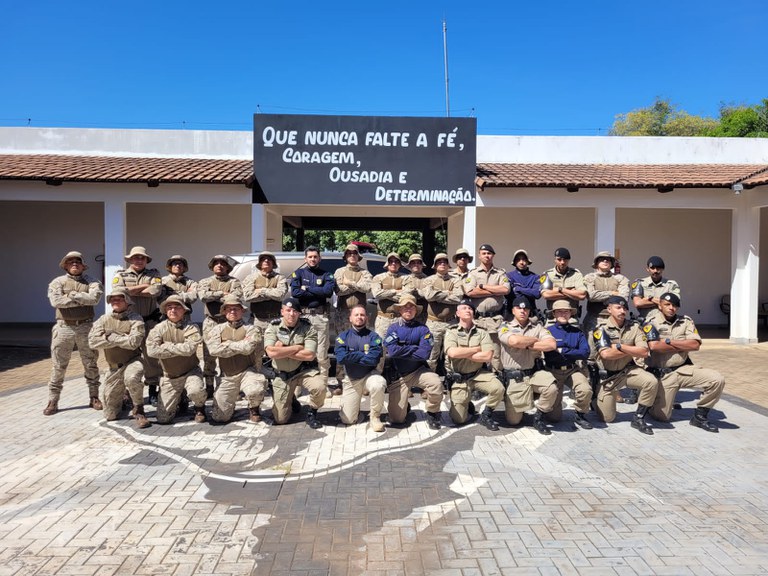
482,324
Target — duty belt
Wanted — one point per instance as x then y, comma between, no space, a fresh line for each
562,367
313,311
489,314
661,372
77,322
285,376
517,374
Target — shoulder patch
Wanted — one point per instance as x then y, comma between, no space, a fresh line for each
427,336
542,278
115,280
340,340
647,328
156,280
504,329
377,341
597,334
293,274
634,284
467,280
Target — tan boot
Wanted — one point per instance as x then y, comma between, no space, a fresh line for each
376,424
200,414
52,408
140,417
255,414
96,404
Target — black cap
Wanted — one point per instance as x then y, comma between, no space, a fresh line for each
563,253
617,300
292,303
671,298
488,248
467,302
521,302
655,262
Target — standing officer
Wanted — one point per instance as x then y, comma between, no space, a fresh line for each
462,258
353,283
176,282
408,343
601,285
387,288
671,338
561,282
443,292
211,291
488,285
359,351
467,349
236,344
414,282
565,361
646,292
144,286
74,296
618,342
313,287
522,342
264,289
291,342
120,334
522,281
174,343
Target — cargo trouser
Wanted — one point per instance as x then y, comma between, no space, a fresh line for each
381,325
578,382
64,338
319,322
461,394
340,322
687,376
353,394
209,362
492,325
518,398
170,394
152,369
283,392
252,384
117,381
400,388
636,378
438,329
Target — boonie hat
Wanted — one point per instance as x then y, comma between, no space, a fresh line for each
138,251
562,305
392,255
170,261
266,255
671,298
173,299
231,300
352,248
70,255
415,257
439,256
406,299
604,254
229,261
119,291
524,253
462,252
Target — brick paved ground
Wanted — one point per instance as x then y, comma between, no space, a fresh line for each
79,495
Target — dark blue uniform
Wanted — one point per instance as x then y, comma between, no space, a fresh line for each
572,345
359,351
312,287
523,284
409,345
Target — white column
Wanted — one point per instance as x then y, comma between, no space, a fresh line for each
258,228
469,239
745,271
114,241
605,229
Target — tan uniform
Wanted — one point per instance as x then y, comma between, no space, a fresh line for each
146,305
599,289
651,289
120,336
264,294
469,375
622,372
572,279
352,287
523,380
675,371
443,294
74,298
181,286
211,291
413,284
291,372
175,346
490,309
387,289
456,273
239,348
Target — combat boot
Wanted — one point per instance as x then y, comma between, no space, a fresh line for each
127,401
433,420
581,421
539,424
95,403
471,410
631,397
140,417
152,394
376,424
700,420
183,408
209,386
295,405
486,419
638,420
200,416
255,414
312,421
52,408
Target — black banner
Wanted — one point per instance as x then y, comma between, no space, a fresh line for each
380,160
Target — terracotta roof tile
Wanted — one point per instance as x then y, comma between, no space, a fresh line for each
615,175
121,169
758,179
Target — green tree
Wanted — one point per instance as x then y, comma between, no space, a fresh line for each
404,243
661,118
742,121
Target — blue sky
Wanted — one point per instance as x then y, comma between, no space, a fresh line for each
519,67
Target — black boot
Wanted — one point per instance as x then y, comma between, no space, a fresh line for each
209,386
486,419
312,421
638,420
581,421
152,393
538,423
631,397
433,420
183,409
700,420
471,410
295,405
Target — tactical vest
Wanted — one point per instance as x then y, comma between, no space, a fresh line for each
178,365
172,286
240,362
213,308
390,283
602,284
142,305
348,301
440,310
266,309
77,313
121,324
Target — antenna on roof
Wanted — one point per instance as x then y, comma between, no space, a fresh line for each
445,61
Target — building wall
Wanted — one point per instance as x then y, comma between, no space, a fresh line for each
35,236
